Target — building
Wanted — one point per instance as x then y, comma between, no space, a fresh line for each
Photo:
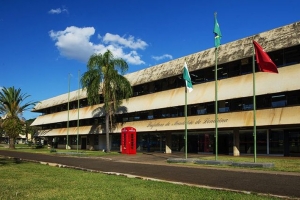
157,108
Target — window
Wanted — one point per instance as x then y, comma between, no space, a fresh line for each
224,106
201,111
247,103
262,101
234,69
174,112
278,101
236,104
157,114
246,69
291,56
210,108
223,72
165,113
293,98
150,117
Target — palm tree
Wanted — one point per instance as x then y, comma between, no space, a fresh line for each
12,107
105,75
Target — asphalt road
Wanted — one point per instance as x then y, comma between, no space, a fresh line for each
156,166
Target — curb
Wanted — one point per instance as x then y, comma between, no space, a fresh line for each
219,162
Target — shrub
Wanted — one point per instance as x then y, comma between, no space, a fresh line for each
52,150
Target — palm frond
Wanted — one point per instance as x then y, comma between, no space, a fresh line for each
12,102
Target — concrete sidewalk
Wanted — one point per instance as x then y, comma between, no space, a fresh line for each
155,166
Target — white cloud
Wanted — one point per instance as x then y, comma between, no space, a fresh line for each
162,57
57,11
129,42
74,43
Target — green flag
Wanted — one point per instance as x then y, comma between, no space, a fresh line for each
187,78
217,32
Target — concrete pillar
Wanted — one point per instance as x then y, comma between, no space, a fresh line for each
236,142
168,142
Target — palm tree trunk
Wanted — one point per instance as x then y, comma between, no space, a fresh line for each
107,132
12,143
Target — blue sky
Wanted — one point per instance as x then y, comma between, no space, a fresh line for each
42,42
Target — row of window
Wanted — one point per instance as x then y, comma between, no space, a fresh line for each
281,58
291,98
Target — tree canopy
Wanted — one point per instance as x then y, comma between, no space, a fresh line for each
11,108
105,75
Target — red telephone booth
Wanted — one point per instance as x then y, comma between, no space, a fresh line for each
128,140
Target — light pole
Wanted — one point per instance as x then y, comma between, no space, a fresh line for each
67,147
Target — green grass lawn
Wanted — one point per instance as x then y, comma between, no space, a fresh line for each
25,180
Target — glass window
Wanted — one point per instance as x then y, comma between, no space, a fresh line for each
246,142
278,101
294,142
291,55
248,103
236,104
276,142
201,111
293,98
234,69
223,72
261,142
116,142
96,140
262,101
246,66
223,106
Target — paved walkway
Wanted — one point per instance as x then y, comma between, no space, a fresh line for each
155,166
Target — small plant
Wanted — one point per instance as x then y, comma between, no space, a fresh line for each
52,150
29,143
37,146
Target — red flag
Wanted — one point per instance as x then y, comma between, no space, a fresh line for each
265,64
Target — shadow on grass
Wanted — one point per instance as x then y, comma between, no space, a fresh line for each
9,161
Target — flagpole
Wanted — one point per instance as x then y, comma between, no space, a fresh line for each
67,147
185,120
216,103
185,124
254,103
265,64
217,44
78,111
189,86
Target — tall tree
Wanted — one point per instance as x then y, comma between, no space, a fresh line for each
11,107
105,75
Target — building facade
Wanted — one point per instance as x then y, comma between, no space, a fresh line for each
156,109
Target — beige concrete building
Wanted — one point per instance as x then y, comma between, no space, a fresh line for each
157,108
